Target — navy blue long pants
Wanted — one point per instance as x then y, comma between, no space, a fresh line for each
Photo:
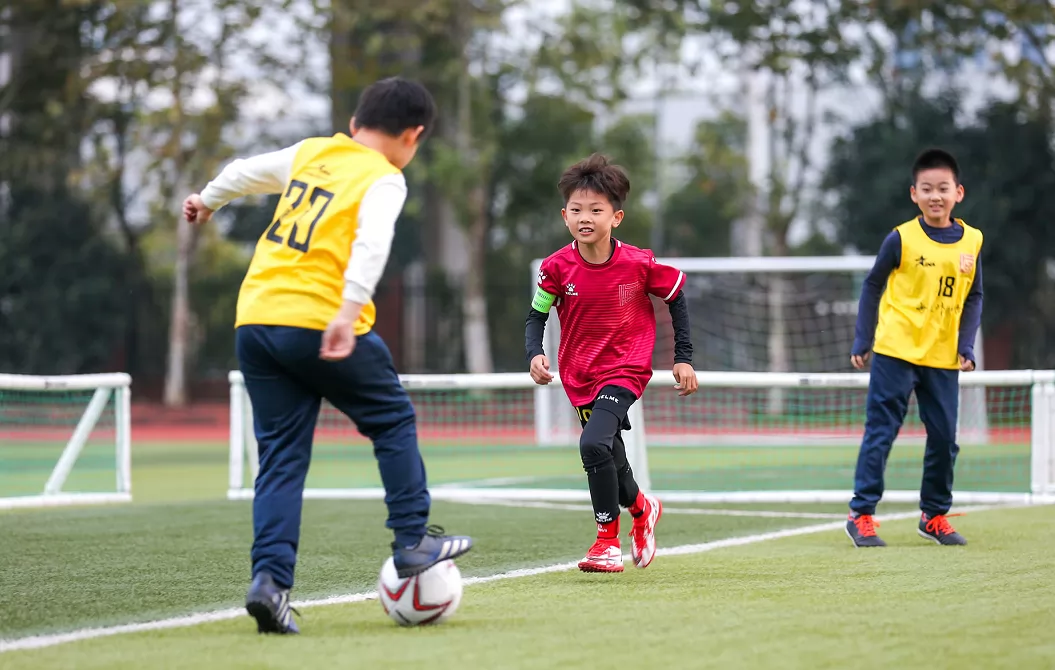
938,396
286,381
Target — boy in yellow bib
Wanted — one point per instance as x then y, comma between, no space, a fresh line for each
928,317
304,330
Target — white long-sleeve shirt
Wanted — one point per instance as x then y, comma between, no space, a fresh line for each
267,174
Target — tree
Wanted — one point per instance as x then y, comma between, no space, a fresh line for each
189,136
1006,160
59,296
701,215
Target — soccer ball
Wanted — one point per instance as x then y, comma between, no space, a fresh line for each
427,598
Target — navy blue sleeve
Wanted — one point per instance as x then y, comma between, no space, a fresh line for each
887,260
971,318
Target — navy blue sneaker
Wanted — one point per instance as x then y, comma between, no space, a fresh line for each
269,605
434,548
937,529
861,529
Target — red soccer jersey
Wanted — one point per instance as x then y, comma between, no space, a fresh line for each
608,326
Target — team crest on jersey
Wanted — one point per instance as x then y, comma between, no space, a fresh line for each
627,292
966,263
570,290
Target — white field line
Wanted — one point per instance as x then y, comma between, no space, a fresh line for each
42,641
500,481
765,514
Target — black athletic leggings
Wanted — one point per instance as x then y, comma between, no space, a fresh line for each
603,452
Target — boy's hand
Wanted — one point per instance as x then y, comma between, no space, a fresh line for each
338,341
195,211
965,364
686,378
859,361
540,370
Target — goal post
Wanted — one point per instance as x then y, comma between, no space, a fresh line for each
479,438
65,440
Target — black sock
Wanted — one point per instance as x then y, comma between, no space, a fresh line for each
604,492
628,488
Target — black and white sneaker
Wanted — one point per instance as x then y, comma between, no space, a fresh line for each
434,548
269,605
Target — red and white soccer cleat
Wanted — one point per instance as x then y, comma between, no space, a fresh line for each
643,533
603,556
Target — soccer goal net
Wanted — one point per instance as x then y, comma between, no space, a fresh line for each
65,440
480,436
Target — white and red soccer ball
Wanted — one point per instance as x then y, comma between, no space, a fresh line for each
427,598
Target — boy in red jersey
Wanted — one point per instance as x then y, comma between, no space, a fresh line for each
608,329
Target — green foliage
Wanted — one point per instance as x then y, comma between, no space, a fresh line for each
62,287
1006,162
214,280
700,215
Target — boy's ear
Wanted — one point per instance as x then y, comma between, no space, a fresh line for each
413,135
618,218
351,126
959,193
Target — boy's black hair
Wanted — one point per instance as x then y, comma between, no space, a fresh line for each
599,175
395,104
930,159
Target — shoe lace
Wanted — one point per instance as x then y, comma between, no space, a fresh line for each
291,608
435,531
637,531
866,525
939,524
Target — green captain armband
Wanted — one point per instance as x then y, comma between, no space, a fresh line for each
542,301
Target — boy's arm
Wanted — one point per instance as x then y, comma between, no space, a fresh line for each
535,326
534,332
666,282
887,260
545,295
375,228
679,318
971,319
263,174
663,281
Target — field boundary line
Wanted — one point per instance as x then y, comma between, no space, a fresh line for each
698,511
189,620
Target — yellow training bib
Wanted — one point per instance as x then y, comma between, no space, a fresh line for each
919,314
296,277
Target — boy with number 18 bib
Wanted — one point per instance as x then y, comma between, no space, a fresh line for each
919,312
601,289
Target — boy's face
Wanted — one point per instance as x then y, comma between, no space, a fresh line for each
936,192
590,217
